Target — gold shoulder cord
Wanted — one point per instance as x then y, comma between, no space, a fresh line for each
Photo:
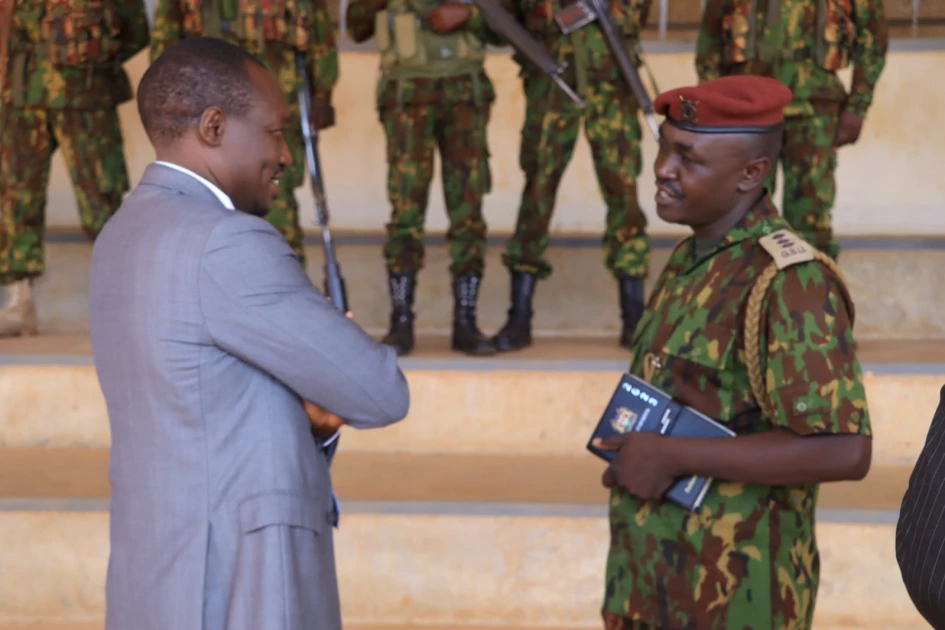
756,298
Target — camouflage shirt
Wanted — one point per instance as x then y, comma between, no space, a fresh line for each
748,554
585,50
61,75
785,44
171,24
425,91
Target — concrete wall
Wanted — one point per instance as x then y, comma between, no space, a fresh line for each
889,183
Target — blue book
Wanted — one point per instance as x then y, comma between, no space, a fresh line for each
638,406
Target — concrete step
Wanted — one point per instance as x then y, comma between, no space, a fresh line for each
456,565
542,401
889,280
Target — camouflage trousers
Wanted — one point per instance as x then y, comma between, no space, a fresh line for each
284,209
93,149
809,161
413,133
549,134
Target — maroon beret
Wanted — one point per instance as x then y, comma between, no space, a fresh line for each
735,104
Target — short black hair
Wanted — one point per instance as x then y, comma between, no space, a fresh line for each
187,78
767,145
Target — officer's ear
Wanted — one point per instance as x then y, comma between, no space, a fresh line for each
755,174
211,126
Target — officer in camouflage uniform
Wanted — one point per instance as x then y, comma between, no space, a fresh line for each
63,83
747,557
433,93
552,123
273,30
803,43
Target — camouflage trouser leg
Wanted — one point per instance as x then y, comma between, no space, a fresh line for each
809,161
464,153
551,126
284,210
92,148
613,131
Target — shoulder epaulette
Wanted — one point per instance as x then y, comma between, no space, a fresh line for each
787,248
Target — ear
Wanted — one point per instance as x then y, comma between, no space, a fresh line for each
755,175
211,126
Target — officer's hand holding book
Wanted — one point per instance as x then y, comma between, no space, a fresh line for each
644,464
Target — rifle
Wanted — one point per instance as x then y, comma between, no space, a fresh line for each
586,11
6,26
334,282
515,34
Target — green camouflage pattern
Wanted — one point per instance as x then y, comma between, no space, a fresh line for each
786,38
413,133
34,80
475,88
91,144
612,128
748,555
585,51
322,62
809,162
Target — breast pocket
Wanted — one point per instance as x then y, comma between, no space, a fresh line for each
700,362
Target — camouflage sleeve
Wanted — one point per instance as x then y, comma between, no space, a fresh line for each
812,372
322,58
477,26
360,18
709,43
135,31
168,26
869,53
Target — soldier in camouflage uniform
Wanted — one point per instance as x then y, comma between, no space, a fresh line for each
63,83
433,93
803,43
272,30
747,557
552,123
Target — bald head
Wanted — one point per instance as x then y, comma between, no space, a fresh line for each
188,78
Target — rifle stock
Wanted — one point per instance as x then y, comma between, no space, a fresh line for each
334,282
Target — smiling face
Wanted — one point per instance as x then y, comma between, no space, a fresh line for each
706,180
253,148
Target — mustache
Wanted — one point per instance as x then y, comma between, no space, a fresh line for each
671,187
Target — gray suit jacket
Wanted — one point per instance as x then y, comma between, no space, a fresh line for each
206,332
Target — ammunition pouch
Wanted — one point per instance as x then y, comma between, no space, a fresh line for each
410,49
79,33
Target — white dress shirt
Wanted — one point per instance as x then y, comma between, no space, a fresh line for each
222,196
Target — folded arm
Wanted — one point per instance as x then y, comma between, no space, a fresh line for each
261,307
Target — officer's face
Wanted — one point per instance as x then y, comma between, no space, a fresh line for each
255,149
701,178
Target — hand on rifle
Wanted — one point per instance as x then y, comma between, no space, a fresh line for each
323,116
324,423
448,17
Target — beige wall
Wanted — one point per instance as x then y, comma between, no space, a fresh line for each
889,183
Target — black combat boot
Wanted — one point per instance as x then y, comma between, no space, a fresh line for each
517,332
400,335
466,335
631,307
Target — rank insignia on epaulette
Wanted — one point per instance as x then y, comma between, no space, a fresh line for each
688,110
624,420
786,248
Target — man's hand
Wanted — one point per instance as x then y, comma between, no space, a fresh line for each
324,424
644,466
848,131
448,17
323,117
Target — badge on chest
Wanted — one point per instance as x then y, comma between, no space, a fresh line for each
575,16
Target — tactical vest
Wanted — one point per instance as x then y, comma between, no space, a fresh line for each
835,33
251,23
410,49
79,32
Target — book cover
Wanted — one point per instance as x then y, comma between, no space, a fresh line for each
638,406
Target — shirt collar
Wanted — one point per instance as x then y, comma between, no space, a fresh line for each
222,196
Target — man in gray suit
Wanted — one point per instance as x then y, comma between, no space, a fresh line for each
222,367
